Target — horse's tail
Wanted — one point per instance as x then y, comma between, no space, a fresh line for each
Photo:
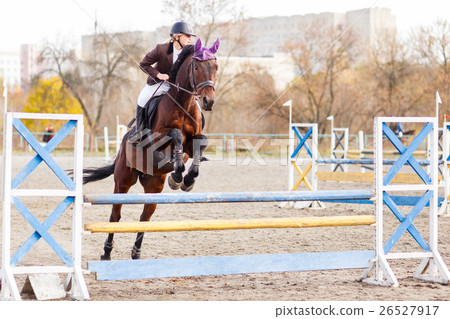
97,174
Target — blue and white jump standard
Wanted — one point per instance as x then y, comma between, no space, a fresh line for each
432,267
309,143
339,147
72,195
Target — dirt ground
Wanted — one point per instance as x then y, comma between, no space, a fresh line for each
222,174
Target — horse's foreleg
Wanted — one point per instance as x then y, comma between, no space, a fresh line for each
176,177
198,145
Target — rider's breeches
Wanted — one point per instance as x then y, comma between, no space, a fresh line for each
152,90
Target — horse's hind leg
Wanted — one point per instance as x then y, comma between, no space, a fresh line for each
148,211
199,144
122,184
176,177
152,184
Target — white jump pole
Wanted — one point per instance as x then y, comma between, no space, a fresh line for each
444,210
291,147
106,139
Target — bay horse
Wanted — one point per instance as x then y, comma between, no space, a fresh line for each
174,136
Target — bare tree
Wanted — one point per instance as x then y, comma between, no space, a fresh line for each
321,53
432,45
398,86
95,77
253,94
389,66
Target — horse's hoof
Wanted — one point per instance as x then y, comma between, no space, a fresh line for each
135,253
105,257
173,184
186,188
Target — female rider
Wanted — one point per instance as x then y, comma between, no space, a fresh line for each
164,55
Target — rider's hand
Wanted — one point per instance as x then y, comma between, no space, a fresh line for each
162,76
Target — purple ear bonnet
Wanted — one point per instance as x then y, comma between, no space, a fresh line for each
202,54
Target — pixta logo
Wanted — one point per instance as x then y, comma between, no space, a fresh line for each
147,155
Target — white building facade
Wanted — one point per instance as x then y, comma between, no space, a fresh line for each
269,35
10,68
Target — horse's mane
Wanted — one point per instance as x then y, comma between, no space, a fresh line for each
184,54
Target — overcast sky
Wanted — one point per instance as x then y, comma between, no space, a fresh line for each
32,21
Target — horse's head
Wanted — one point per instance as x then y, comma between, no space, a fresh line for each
202,73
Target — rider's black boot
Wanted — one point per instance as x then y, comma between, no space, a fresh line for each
140,125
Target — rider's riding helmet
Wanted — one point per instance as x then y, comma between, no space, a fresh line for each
181,27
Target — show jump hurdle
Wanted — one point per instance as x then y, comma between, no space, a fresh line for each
227,265
431,268
378,271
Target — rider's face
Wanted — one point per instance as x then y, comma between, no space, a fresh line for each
185,39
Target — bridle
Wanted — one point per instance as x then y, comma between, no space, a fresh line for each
201,85
196,87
